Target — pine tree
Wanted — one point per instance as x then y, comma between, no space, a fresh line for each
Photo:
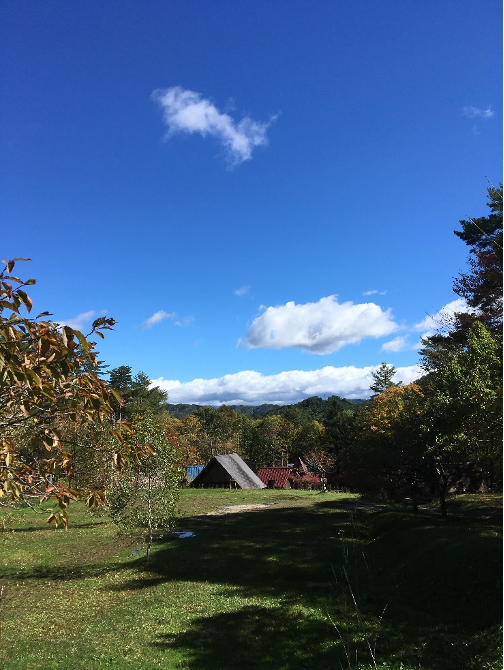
383,379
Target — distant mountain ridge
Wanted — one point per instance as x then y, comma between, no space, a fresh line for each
315,406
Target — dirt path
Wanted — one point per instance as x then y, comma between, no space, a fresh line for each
235,509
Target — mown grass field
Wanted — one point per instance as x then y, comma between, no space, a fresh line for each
267,589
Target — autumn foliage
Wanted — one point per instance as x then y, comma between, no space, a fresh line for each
46,386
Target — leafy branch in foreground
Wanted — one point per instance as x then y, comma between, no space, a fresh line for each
44,386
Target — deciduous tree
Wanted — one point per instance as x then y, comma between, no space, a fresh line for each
142,498
389,453
42,385
464,417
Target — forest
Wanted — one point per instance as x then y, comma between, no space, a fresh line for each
72,429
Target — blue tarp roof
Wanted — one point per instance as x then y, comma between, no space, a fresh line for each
194,470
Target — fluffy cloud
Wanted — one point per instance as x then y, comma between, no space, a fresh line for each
80,321
476,112
397,344
253,388
441,319
243,290
157,317
186,111
445,315
318,327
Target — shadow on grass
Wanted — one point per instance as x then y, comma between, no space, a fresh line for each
66,573
287,553
439,581
294,553
279,639
257,637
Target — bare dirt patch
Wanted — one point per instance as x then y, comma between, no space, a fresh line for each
234,509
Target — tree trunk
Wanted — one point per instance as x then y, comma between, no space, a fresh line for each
442,488
149,521
414,499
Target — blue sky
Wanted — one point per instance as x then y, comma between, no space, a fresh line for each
262,194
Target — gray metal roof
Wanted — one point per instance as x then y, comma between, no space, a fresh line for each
237,469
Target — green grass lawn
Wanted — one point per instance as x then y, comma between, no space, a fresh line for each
270,589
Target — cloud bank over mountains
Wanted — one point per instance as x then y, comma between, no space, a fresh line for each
186,111
321,327
318,327
253,388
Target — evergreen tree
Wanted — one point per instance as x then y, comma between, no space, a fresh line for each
481,286
136,393
383,379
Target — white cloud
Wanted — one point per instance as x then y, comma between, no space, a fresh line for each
375,292
253,388
443,318
445,315
157,317
476,112
80,322
186,111
397,344
243,290
318,327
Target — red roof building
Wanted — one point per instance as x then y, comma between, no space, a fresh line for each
277,478
291,476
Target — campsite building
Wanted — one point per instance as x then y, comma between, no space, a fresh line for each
227,471
276,477
295,476
193,471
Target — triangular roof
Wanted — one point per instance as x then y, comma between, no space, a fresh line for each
300,465
237,470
